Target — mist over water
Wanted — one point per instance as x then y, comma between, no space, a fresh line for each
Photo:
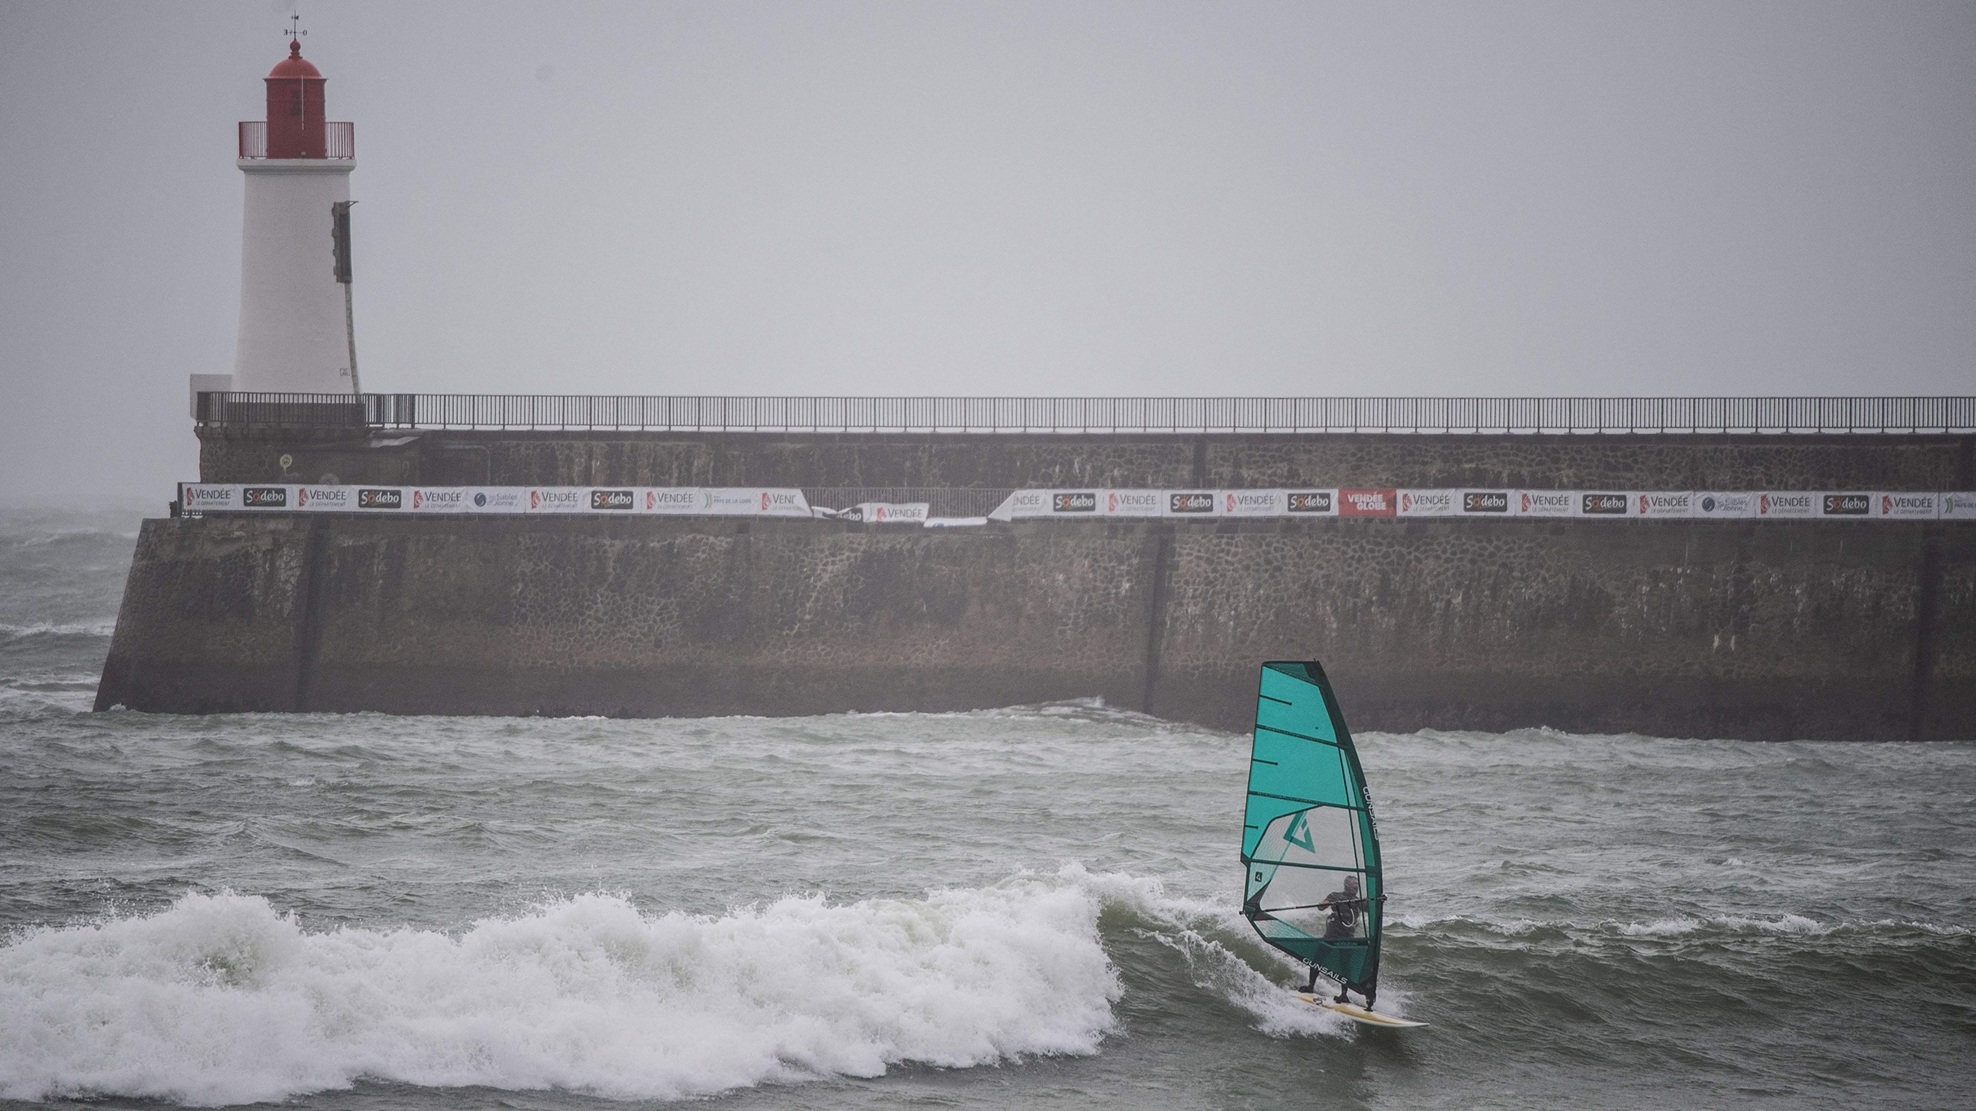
1023,907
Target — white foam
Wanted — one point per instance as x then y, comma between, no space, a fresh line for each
220,999
1678,925
1788,924
1197,929
45,628
1785,924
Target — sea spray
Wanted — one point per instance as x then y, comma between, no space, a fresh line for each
221,999
1221,955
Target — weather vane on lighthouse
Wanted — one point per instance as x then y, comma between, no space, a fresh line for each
295,32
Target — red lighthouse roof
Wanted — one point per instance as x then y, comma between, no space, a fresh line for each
295,124
295,65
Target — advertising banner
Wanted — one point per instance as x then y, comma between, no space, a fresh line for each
1546,503
1132,503
889,513
438,499
1251,503
325,499
1368,503
1429,503
1074,501
1842,506
1603,503
1668,503
613,499
197,497
737,501
784,502
1722,503
496,499
1786,503
382,499
1022,503
1833,505
264,497
556,499
1190,503
670,500
1317,503
726,502
1912,507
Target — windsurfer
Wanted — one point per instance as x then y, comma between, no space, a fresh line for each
1345,907
1308,821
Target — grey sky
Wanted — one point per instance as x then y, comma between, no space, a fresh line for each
1003,198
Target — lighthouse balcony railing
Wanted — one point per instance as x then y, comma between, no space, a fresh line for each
339,139
1473,415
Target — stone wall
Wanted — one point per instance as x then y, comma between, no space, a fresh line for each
1639,462
1710,628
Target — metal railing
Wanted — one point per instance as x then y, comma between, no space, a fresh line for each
586,412
339,139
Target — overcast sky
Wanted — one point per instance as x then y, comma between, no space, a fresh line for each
1002,198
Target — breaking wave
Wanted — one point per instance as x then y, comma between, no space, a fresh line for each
222,999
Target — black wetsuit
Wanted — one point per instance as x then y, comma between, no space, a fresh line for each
1345,908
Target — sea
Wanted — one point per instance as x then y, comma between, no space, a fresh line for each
1029,907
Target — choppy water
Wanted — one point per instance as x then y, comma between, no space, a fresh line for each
1027,907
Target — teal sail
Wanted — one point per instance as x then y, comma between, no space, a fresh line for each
1308,836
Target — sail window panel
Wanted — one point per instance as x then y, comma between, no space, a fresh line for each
1291,898
1291,940
1260,813
1301,859
1322,837
1285,891
1292,921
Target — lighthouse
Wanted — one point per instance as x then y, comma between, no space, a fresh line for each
294,282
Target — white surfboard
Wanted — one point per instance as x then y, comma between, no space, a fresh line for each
1358,1014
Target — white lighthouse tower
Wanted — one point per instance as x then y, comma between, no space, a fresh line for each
294,323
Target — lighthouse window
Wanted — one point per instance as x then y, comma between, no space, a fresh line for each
295,101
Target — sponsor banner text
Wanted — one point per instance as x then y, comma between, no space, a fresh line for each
1430,503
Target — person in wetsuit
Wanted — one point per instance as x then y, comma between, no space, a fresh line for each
1345,907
